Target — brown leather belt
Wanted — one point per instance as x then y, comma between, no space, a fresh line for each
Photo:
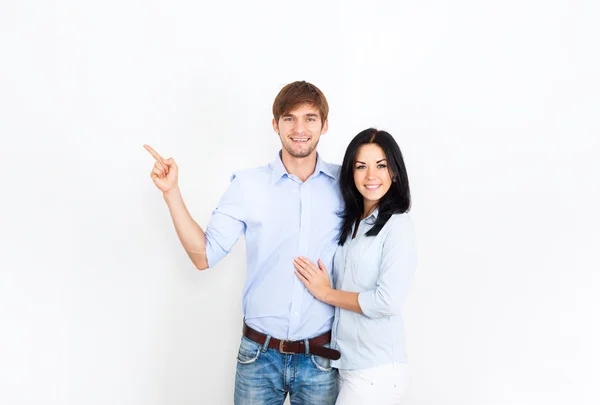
315,345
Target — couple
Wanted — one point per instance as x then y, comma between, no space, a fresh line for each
307,222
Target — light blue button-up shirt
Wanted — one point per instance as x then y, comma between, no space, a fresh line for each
380,269
281,218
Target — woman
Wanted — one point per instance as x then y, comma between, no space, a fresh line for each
372,269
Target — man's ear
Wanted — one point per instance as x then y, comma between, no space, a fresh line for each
275,126
325,127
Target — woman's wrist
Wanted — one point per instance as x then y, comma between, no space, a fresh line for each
327,296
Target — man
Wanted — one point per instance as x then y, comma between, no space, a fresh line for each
285,209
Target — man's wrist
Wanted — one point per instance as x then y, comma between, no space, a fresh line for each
171,192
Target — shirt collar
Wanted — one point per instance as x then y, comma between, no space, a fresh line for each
278,169
371,219
324,167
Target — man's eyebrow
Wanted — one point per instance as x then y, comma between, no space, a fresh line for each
305,115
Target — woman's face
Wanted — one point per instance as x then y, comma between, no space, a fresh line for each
371,175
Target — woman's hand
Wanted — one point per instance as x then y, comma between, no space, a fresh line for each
316,279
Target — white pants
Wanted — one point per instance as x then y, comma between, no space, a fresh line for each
381,385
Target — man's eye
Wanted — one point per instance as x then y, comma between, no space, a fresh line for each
311,119
287,119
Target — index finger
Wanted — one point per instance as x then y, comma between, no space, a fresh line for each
154,153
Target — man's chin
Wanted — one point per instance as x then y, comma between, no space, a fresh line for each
299,153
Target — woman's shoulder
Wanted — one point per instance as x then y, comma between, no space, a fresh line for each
399,224
400,219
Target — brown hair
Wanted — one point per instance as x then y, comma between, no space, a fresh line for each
296,94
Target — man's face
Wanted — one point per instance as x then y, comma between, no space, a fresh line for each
300,130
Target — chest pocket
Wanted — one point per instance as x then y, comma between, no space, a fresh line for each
366,262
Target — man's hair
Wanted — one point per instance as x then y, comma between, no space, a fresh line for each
299,93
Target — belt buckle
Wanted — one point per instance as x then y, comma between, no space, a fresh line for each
281,343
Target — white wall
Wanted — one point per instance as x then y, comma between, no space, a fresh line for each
495,105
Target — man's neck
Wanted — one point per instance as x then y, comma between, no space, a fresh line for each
302,168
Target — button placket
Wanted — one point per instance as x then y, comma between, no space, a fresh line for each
298,287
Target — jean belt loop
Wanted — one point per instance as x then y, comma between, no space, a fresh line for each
306,347
266,344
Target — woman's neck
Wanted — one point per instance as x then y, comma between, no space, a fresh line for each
369,207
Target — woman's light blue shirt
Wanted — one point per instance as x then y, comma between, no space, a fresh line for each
380,268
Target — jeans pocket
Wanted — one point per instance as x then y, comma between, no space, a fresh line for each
321,363
249,351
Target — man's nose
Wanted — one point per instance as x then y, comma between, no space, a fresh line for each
299,126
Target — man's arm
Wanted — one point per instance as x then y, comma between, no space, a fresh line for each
190,234
224,229
165,175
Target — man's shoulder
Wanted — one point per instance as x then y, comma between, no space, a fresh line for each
332,169
336,169
265,172
252,174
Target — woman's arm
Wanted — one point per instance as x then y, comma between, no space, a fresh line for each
316,279
343,299
398,265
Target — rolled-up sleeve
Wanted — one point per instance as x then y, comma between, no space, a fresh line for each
398,264
226,224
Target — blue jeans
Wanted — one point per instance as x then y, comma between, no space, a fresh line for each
265,376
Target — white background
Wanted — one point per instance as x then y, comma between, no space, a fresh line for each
495,105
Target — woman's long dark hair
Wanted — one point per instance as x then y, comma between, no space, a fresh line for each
397,198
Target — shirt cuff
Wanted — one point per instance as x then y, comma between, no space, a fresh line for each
366,301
